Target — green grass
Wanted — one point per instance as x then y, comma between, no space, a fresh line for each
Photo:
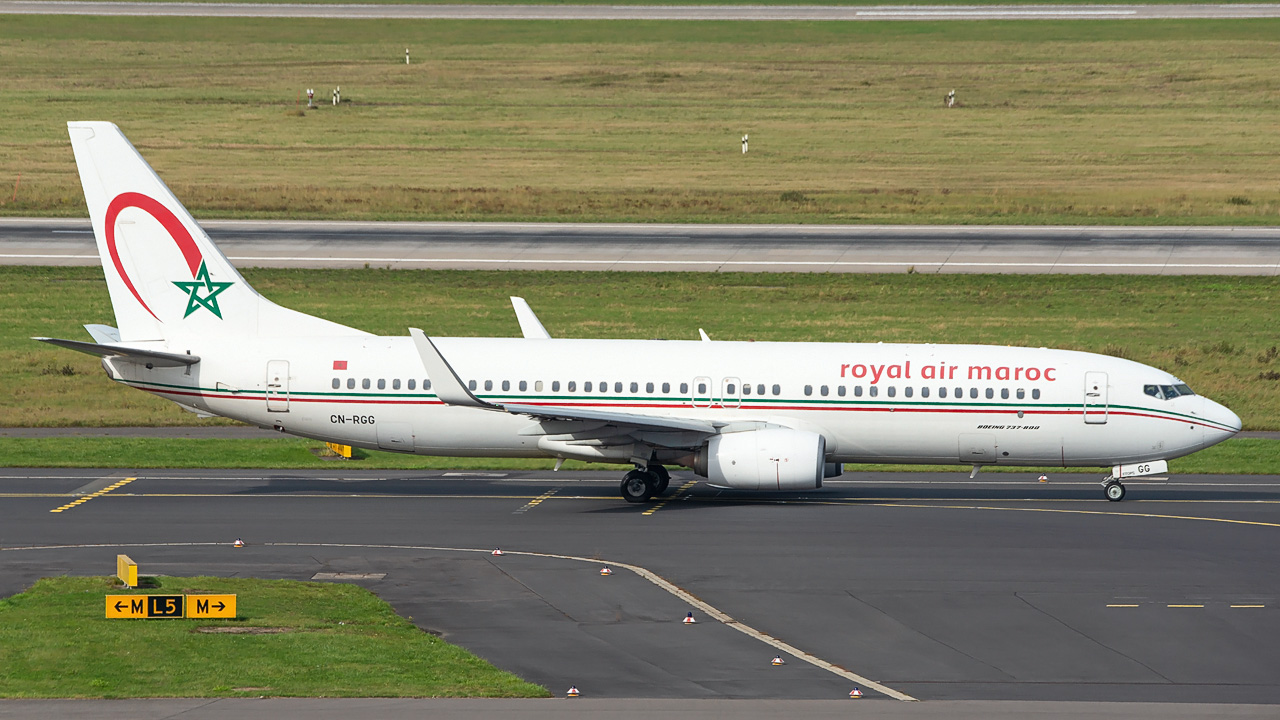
340,641
1216,333
1239,456
1060,122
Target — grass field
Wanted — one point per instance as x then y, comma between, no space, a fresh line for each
1217,333
1238,456
329,640
1059,122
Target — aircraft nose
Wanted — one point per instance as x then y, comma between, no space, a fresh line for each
1221,423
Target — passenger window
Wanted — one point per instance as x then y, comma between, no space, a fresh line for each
426,385
573,386
907,391
1004,393
351,383
635,387
617,387
555,386
840,390
471,384
395,384
488,384
365,383
959,393
823,390
893,391
648,387
746,388
808,389
586,386
991,394
857,391
760,389
777,389
1021,393
337,383
1035,394
684,388
382,383
666,388
973,393
942,392
506,385
873,391
413,384
924,391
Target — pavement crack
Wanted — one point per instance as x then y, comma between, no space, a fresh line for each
1091,639
536,594
201,706
931,638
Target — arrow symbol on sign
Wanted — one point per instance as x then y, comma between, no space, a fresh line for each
221,605
119,606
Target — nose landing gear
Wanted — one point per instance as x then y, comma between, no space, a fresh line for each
1113,489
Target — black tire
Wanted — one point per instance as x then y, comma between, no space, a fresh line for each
664,479
637,486
1114,491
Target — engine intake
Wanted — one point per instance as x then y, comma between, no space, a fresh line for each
770,459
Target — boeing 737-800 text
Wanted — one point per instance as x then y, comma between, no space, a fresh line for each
746,415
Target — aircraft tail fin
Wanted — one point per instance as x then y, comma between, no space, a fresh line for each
166,277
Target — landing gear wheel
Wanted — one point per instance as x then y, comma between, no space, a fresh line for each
638,485
1114,491
664,479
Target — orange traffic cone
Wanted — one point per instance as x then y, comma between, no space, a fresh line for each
777,660
605,571
688,619
573,691
238,543
855,693
496,551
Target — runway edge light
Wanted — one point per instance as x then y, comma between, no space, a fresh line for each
573,691
606,571
855,693
688,619
238,543
777,660
496,551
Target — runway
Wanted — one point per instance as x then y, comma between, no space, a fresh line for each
701,248
643,12
931,586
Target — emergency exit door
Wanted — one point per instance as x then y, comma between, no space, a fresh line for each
1095,398
277,386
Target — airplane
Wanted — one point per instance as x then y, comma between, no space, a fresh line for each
768,416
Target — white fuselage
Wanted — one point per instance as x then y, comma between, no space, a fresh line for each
962,404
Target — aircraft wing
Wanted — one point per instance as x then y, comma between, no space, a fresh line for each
450,389
141,357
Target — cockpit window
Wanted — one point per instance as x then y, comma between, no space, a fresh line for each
1167,392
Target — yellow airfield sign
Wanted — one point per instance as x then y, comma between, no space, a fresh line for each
211,606
170,606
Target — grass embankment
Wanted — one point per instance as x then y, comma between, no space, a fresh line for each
329,640
1237,456
1216,333
1059,122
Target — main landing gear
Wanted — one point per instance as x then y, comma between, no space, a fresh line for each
641,484
1113,489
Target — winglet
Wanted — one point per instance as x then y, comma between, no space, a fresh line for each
445,382
530,327
704,335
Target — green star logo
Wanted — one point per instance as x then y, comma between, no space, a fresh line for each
211,289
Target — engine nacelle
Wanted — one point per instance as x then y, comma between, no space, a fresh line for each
770,459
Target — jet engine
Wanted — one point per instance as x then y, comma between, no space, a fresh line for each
769,459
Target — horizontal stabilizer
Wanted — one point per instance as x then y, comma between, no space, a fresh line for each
154,358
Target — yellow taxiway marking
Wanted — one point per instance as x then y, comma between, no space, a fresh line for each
1122,606
1185,606
90,496
683,489
536,501
1248,606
